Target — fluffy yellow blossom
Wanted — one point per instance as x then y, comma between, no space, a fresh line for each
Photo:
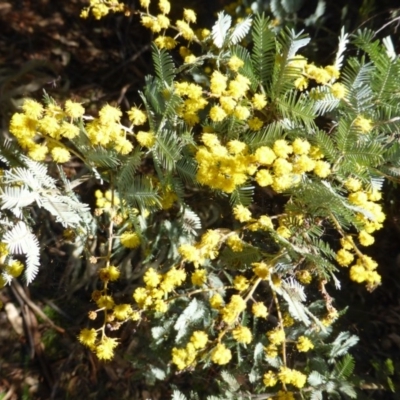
185,30
221,355
287,320
232,310
239,86
236,146
165,6
282,149
146,139
291,376
235,243
241,213
110,273
218,83
304,344
270,379
122,311
32,109
60,154
235,63
301,146
303,164
50,126
199,339
189,252
105,349
144,3
152,278
242,113
228,104
163,21
15,268
301,83
264,155
363,124
322,169
240,283
73,109
304,276
284,232
255,124
320,75
271,351
216,301
189,15
259,101
87,337
282,167
265,222
68,130
259,310
199,277
165,42
276,336
353,184
217,114
105,301
261,270
173,278
338,90
242,334
365,238
332,71
109,114
130,240
344,257
137,116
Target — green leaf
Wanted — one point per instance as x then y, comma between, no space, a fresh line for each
164,65
242,195
129,169
141,194
344,367
264,49
168,149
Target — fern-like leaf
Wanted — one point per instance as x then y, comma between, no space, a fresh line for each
164,65
240,31
20,240
220,29
264,50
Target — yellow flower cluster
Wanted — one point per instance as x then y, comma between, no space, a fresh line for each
152,296
304,344
292,377
51,125
101,8
103,348
106,131
207,248
371,220
281,167
115,315
232,310
193,101
185,357
161,23
286,376
364,125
